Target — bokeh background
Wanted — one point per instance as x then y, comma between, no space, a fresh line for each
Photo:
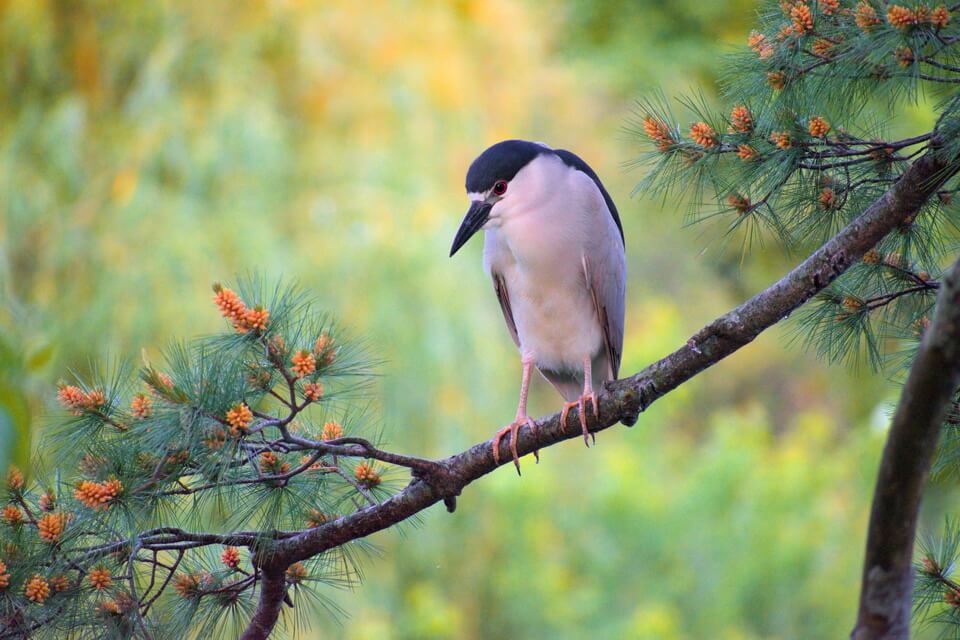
148,149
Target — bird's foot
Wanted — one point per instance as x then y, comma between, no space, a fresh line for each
512,429
581,405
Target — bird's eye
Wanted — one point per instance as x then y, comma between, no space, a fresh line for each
500,187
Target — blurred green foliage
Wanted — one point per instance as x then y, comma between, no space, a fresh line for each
148,149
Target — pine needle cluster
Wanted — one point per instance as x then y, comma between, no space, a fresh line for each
172,482
799,153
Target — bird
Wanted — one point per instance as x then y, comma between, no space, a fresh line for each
555,251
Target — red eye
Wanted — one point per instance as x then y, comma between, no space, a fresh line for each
500,188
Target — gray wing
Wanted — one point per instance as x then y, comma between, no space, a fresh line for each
503,295
606,277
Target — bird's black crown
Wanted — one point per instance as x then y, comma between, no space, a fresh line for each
502,161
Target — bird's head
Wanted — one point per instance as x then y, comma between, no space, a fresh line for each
494,186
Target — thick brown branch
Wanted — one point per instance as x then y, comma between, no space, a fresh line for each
887,583
620,400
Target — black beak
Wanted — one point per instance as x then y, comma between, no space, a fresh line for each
476,217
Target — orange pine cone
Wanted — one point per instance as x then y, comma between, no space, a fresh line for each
802,17
777,80
818,127
822,48
296,573
4,576
99,578
141,406
332,431
315,518
866,16
658,132
741,119
230,557
367,475
303,363
239,418
828,7
12,514
229,303
901,17
50,526
255,319
940,17
37,589
827,198
14,479
187,585
704,135
59,583
904,56
781,139
98,495
746,153
313,391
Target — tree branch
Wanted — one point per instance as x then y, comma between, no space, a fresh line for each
620,400
887,583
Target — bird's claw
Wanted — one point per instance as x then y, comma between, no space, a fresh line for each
513,429
581,405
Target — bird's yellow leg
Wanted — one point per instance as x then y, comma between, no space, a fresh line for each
581,403
521,419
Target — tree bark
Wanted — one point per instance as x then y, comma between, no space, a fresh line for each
623,400
887,582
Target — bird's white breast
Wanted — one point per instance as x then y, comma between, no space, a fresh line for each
538,246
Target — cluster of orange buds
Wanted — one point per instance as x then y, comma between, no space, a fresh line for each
141,406
367,475
239,418
818,127
741,120
758,43
822,47
14,479
313,391
270,461
60,583
230,557
4,576
37,589
781,139
233,308
747,153
98,495
190,585
304,363
48,501
115,606
801,17
77,400
99,578
50,526
904,56
12,514
740,203
827,198
296,573
325,349
920,326
866,16
828,7
332,430
704,135
658,131
315,518
903,18
777,80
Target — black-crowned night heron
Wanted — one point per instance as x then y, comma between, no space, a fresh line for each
554,248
